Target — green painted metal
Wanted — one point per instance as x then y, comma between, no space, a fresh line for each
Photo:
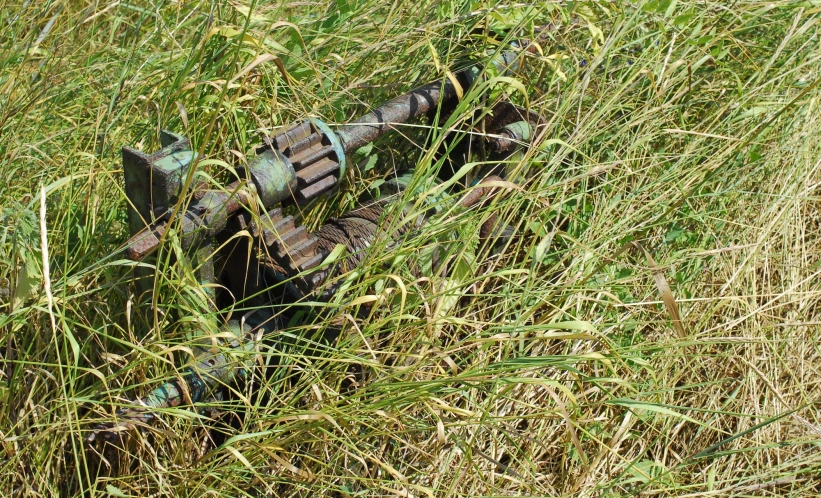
152,184
509,61
155,181
169,174
336,143
273,176
520,130
215,365
203,261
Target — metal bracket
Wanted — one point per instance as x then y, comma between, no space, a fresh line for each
153,183
155,180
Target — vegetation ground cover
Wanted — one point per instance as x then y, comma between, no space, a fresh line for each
651,328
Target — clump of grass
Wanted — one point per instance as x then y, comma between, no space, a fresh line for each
678,161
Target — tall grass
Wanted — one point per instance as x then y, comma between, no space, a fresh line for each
650,328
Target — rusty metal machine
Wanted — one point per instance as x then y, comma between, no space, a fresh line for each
299,164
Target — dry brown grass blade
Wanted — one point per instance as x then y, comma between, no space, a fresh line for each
665,291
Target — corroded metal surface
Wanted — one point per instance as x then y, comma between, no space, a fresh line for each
218,363
316,154
206,217
510,126
307,159
402,109
301,163
273,176
154,179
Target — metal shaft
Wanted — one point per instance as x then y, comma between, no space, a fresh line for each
315,156
420,101
205,217
402,109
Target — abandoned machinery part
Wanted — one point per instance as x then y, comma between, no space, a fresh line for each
233,360
297,165
289,251
212,368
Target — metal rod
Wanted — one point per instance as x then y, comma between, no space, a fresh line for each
204,217
421,100
401,110
364,130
